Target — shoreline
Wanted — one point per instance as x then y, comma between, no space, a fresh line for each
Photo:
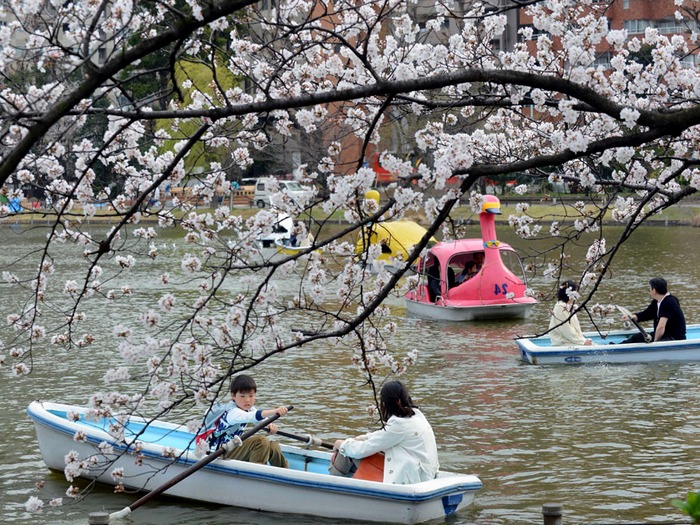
683,214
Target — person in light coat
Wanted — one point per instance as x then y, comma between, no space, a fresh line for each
407,439
565,328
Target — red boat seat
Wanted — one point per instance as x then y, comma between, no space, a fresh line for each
371,468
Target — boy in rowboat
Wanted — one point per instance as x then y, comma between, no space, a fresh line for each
242,410
407,439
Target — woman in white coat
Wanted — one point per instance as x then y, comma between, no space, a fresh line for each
407,439
565,329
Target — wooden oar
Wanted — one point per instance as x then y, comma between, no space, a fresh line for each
308,439
628,314
194,468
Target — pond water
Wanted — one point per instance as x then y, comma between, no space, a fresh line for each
613,444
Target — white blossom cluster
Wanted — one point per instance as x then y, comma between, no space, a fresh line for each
331,92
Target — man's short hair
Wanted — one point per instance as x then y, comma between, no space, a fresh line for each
659,284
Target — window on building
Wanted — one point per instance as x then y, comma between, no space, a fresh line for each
535,32
602,59
637,26
420,15
625,4
688,61
669,27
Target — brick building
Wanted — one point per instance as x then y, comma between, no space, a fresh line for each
636,16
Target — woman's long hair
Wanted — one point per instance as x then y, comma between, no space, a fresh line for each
395,401
564,287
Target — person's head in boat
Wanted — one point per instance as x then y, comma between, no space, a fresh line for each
479,260
467,272
566,291
659,284
243,390
395,401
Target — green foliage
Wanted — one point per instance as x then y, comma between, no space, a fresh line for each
147,80
690,507
94,130
643,56
206,80
145,86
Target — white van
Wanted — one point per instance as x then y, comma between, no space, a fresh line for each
263,190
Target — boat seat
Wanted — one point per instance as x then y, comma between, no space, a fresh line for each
433,283
307,464
371,468
451,278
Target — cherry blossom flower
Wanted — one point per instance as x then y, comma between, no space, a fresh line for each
33,504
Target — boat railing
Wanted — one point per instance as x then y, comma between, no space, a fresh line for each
422,294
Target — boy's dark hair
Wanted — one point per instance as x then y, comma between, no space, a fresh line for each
563,287
243,383
659,284
395,401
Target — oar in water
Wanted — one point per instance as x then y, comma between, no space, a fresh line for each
308,439
194,468
628,314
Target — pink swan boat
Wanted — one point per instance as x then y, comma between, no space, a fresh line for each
448,292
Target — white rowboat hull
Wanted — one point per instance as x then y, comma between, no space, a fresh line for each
304,488
285,249
538,351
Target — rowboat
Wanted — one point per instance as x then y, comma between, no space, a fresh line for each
491,292
284,248
151,454
539,350
282,231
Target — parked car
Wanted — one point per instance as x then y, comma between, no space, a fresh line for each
263,190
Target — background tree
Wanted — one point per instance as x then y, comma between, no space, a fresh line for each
335,74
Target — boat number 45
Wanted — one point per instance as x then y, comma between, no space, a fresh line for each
500,289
